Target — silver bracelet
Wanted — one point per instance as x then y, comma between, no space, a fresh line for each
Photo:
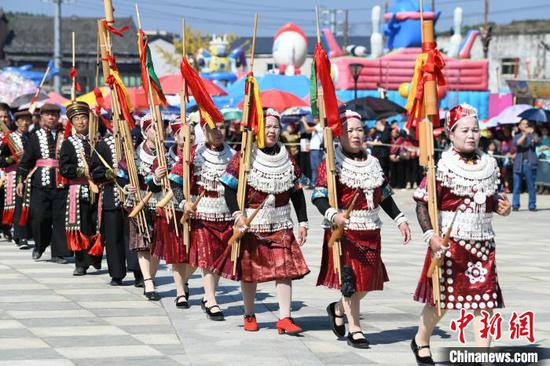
182,204
236,215
304,224
401,218
330,214
428,234
155,181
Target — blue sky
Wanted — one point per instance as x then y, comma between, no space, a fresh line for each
236,16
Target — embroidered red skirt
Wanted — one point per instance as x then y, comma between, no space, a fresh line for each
361,251
468,277
208,242
265,257
166,244
137,241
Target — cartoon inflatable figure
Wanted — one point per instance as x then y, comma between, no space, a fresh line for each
403,27
218,63
289,49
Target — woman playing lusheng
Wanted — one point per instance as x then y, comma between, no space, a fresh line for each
269,250
467,181
358,173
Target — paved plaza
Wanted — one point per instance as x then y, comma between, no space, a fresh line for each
48,317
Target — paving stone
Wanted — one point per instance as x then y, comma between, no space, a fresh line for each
107,352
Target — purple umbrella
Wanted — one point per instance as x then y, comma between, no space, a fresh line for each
508,115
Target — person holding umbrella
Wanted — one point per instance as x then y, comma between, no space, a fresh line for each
525,164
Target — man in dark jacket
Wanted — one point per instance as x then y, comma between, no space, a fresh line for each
40,164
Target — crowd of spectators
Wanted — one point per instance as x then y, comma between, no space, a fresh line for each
524,163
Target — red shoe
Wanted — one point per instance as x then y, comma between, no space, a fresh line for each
288,326
250,324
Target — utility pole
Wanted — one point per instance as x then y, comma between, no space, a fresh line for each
485,31
57,45
335,20
346,28
486,17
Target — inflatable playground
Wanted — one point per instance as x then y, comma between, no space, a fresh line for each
387,67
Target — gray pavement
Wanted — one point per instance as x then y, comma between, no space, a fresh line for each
48,317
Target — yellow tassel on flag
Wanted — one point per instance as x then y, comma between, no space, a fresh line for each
258,111
116,75
420,62
207,117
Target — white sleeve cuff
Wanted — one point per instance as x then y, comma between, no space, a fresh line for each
401,218
182,204
330,214
427,236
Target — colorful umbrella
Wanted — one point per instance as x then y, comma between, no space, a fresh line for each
231,114
278,100
171,84
536,115
26,99
56,98
383,108
508,115
297,111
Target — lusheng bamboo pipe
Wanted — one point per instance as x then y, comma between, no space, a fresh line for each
427,159
337,233
430,86
330,164
186,174
194,206
438,262
93,187
238,234
141,204
123,139
32,107
246,150
16,148
159,143
165,200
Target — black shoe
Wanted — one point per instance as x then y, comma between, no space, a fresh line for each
338,330
59,260
183,304
533,210
8,235
515,208
23,244
150,295
138,279
96,263
186,290
116,282
217,316
358,343
421,361
36,254
79,271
